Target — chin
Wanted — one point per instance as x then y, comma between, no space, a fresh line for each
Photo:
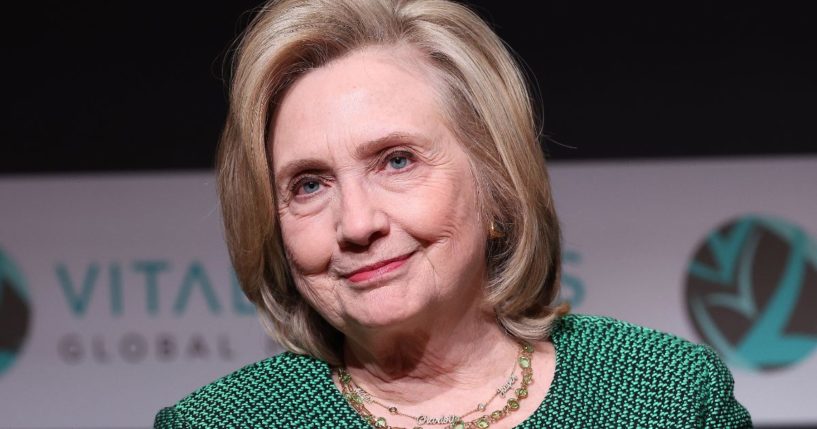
382,312
385,318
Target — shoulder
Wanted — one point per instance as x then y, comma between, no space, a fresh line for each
617,345
628,356
281,372
286,390
578,333
640,373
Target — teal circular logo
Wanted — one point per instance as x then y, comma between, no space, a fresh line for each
751,288
15,312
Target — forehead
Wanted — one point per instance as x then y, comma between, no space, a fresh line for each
361,97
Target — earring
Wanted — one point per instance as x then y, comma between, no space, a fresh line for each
494,231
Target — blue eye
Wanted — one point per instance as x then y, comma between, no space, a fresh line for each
398,162
310,186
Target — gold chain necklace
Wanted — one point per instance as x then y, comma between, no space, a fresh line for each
357,399
446,419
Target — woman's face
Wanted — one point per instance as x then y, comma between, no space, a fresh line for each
375,196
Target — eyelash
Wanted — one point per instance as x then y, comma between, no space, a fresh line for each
299,183
397,153
382,163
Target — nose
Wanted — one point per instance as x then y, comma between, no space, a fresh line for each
360,219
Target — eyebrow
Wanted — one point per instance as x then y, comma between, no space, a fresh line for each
299,165
363,151
371,147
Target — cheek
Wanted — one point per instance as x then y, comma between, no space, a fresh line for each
321,294
443,209
309,242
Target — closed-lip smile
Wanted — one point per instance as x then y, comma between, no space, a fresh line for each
377,269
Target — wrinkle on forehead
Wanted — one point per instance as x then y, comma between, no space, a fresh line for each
403,56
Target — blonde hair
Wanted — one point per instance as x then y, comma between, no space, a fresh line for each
488,106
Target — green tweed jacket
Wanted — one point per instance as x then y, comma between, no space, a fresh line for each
609,374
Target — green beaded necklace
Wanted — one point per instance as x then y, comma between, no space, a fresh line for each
357,398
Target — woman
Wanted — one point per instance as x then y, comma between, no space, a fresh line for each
388,211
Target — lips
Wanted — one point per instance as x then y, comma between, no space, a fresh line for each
377,269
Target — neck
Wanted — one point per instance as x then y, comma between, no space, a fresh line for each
457,353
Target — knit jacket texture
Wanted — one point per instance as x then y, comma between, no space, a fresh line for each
609,374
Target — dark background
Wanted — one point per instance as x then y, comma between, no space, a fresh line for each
127,86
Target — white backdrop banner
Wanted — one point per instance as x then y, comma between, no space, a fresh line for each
117,297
